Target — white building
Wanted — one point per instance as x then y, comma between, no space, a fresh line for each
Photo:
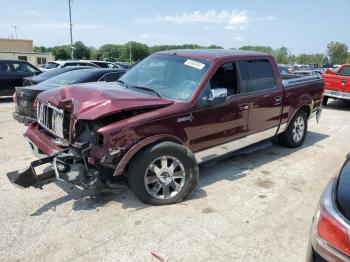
22,49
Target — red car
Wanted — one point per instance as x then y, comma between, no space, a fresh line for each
169,112
330,230
337,84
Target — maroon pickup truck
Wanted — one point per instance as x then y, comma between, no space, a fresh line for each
171,111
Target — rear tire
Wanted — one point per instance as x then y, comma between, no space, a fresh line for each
163,174
325,100
295,134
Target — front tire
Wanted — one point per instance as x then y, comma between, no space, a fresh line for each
295,134
163,174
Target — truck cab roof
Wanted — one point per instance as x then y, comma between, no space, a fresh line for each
212,54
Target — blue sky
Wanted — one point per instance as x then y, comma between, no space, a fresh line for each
302,26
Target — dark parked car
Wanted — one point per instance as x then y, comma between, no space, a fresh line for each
166,114
330,230
106,64
12,73
25,97
34,80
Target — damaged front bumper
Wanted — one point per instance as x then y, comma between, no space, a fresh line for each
28,177
64,167
68,164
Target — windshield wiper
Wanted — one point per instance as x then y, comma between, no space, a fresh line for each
122,82
148,89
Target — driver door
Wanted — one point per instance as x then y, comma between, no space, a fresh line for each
219,123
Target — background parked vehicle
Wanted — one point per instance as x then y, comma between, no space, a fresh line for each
310,72
58,64
106,64
12,73
25,97
171,111
330,230
124,65
337,84
33,80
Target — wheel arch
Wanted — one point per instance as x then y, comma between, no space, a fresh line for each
128,156
305,106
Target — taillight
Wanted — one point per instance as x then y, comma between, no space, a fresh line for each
14,98
35,103
331,231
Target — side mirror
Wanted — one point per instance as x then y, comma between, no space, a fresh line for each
216,96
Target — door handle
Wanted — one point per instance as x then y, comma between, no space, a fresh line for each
278,100
343,81
243,107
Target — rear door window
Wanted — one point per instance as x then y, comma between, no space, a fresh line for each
261,76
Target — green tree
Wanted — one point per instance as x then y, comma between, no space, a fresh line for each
81,51
337,52
110,52
263,49
41,49
135,51
310,59
282,55
93,53
60,52
215,47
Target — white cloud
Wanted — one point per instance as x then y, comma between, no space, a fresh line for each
232,19
144,36
238,38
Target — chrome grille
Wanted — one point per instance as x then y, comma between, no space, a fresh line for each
51,117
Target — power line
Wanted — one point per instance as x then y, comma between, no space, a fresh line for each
15,27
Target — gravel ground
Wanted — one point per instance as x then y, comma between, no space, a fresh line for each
251,207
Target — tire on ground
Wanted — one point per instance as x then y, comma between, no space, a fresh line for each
288,138
142,160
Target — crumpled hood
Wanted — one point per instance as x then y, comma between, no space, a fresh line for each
95,100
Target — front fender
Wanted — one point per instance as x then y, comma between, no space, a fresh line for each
139,146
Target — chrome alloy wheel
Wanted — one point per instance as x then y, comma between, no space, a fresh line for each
164,177
298,129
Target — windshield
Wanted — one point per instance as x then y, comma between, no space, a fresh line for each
168,75
69,78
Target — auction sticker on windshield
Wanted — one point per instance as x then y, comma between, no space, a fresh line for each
194,64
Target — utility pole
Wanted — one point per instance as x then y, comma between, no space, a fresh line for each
71,30
129,52
15,27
